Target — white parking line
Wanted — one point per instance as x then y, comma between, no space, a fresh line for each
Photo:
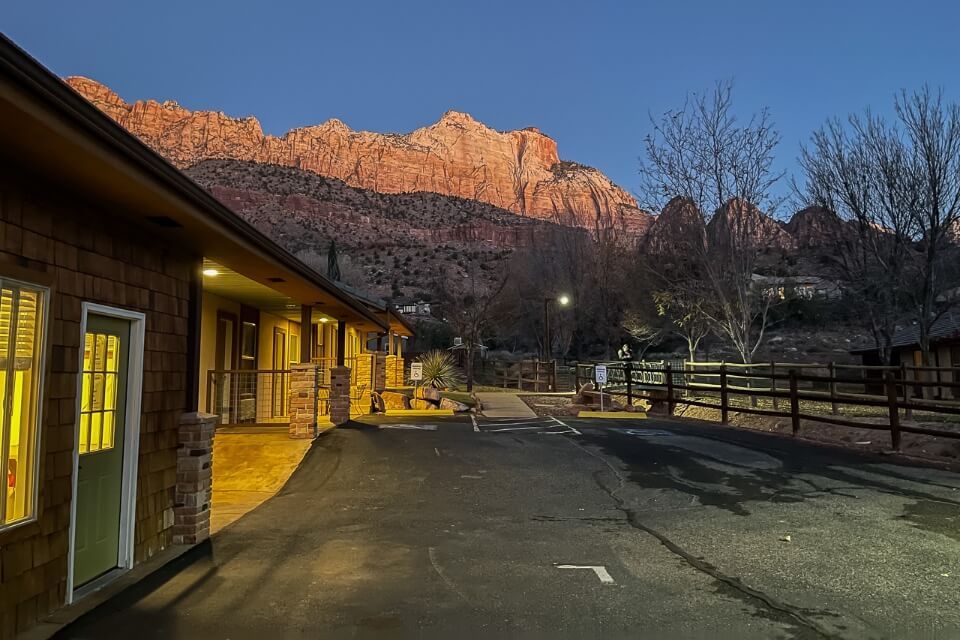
600,570
567,426
473,419
415,427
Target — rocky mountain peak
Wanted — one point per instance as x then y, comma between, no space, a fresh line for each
458,156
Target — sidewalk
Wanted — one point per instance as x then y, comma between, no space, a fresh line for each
497,404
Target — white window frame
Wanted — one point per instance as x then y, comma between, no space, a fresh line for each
46,304
131,448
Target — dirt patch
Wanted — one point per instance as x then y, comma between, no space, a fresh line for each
549,405
553,405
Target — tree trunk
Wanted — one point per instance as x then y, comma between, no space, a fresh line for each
469,368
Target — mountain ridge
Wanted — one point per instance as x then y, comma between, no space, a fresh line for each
518,170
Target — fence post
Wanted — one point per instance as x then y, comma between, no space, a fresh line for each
894,411
576,376
907,392
773,383
794,403
668,372
724,407
833,388
628,372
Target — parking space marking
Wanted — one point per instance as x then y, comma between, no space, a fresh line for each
473,419
414,427
598,569
544,425
648,433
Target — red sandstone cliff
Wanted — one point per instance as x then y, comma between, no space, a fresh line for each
516,170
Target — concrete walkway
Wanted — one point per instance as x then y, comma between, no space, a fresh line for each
497,404
250,466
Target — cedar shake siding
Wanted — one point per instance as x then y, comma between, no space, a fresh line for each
85,253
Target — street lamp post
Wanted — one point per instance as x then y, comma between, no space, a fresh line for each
562,300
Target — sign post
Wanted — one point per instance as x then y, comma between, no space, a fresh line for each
416,375
600,374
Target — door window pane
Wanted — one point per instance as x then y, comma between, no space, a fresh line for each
98,404
21,349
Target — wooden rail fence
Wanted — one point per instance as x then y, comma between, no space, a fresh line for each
891,389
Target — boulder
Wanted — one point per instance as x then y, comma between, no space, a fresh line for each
420,403
458,407
427,393
394,400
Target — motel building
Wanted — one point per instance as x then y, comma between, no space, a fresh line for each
139,317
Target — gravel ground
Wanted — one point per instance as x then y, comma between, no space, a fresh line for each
549,405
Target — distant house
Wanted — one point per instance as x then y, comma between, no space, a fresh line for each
945,346
805,287
419,308
944,341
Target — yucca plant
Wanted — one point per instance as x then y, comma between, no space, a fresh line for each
440,371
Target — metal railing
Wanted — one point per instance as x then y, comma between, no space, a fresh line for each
248,396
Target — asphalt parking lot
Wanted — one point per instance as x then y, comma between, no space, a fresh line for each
545,527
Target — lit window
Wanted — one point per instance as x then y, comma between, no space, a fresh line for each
22,309
98,395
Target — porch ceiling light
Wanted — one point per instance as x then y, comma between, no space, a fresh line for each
212,273
324,320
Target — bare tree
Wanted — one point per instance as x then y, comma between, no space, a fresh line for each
898,186
470,310
932,146
700,158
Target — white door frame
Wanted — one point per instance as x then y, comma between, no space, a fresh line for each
131,437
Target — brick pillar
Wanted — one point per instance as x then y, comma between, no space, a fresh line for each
381,372
191,511
302,400
340,395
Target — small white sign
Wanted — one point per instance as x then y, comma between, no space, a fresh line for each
416,371
601,374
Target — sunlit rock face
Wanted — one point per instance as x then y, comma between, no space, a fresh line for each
516,170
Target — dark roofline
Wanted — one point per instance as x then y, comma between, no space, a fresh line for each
37,79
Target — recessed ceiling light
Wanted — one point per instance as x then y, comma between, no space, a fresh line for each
324,320
211,272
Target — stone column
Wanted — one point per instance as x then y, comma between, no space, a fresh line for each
340,395
380,382
302,400
191,511
394,371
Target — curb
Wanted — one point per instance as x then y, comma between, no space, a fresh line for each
419,412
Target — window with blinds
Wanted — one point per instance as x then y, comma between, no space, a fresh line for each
98,393
21,330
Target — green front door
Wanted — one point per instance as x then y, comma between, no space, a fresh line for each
106,349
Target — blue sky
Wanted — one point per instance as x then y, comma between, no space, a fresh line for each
586,73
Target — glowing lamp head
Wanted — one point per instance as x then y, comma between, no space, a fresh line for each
211,273
324,320
564,300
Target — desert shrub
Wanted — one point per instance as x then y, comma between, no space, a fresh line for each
439,370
